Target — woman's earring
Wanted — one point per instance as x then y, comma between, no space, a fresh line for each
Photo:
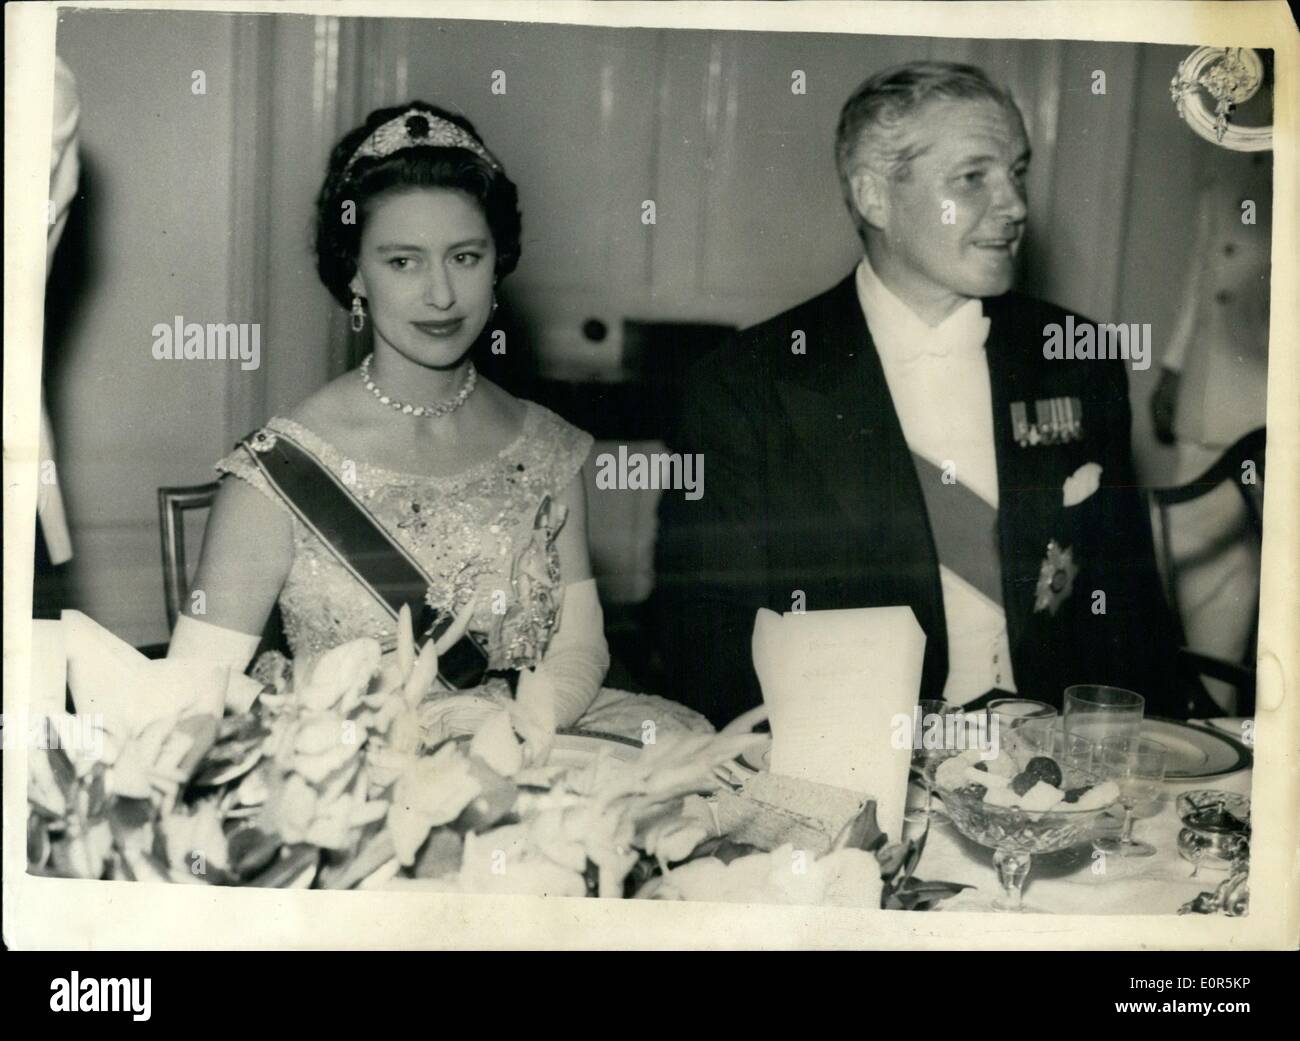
492,313
358,314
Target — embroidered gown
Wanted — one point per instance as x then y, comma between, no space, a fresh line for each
487,533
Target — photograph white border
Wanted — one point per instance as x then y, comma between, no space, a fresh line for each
47,913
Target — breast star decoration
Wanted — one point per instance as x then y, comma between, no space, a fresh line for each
1056,575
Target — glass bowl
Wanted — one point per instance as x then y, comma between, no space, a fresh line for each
1015,834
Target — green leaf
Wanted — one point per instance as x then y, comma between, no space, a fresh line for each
294,862
374,853
251,849
38,841
440,855
724,849
147,862
96,804
891,859
921,896
126,814
915,848
643,871
64,773
159,850
241,730
212,875
202,731
862,832
215,771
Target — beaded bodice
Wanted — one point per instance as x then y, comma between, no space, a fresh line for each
486,534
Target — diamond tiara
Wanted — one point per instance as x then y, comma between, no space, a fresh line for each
415,128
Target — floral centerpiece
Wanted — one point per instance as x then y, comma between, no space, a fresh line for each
339,780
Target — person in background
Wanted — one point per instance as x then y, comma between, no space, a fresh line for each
1212,392
53,541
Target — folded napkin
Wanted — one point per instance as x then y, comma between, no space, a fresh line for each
833,682
111,679
49,668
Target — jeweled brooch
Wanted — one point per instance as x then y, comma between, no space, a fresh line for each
262,441
1056,575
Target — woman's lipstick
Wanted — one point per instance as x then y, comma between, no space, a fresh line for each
441,330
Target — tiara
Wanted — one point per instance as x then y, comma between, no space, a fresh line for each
416,128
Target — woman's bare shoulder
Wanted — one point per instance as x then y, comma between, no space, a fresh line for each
331,410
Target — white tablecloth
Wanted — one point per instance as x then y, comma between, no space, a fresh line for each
1077,882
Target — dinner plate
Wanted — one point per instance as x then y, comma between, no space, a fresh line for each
581,746
1196,752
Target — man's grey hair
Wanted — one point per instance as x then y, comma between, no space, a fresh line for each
871,130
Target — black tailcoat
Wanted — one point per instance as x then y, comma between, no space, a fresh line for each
809,488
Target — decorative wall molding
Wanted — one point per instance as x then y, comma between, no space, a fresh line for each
1230,75
249,210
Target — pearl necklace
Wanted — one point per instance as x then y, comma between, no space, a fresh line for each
442,408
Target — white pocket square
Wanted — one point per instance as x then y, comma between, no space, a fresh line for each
1080,484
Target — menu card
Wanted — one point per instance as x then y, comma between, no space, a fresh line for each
833,683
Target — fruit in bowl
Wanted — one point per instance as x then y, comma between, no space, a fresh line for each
1049,803
1036,788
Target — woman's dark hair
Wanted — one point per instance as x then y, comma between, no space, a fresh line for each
338,240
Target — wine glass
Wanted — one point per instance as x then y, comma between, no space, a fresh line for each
1137,765
1017,719
925,761
1098,712
1072,752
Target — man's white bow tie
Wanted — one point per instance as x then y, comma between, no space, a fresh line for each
962,333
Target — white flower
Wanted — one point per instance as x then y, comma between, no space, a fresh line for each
495,743
198,832
1080,484
435,790
852,879
845,878
321,746
289,808
504,861
341,676
674,839
161,756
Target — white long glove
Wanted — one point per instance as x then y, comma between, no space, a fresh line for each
577,657
214,644
194,638
575,661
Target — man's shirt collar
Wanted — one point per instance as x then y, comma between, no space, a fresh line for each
902,334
